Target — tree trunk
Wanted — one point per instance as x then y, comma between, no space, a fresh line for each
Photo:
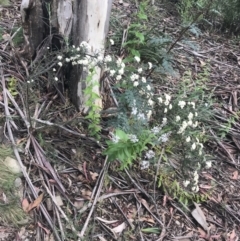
75,21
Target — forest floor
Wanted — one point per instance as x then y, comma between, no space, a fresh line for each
69,184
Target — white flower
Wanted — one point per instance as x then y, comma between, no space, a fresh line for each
84,61
195,124
144,164
54,70
56,78
181,104
48,47
160,100
193,147
144,80
190,116
178,118
100,58
165,110
118,77
119,62
155,130
140,70
164,121
195,188
150,102
133,138
108,58
134,77
134,111
85,45
123,65
170,106
193,104
188,139
121,71
167,97
164,137
60,64
195,178
67,60
135,83
114,138
137,59
196,114
28,82
112,72
73,46
148,87
59,57
201,145
78,49
149,114
186,183
190,123
32,80
141,116
183,127
149,65
208,164
111,41
150,154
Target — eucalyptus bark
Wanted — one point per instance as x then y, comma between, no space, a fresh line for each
75,21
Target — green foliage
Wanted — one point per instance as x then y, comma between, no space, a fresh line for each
172,187
189,8
11,212
94,110
18,37
148,44
225,12
12,86
127,148
230,13
4,2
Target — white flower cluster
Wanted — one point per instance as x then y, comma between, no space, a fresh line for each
190,120
164,137
150,154
166,101
133,138
114,138
195,187
119,68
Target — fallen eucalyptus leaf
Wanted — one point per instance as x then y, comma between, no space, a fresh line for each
199,216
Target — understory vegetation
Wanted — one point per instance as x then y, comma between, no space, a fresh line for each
157,119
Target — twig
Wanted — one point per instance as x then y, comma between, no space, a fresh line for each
59,208
220,144
147,195
184,30
155,181
15,150
99,184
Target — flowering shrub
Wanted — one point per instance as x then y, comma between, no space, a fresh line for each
171,122
146,122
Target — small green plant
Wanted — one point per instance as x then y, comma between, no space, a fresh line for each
94,110
148,44
12,86
173,188
10,209
127,147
